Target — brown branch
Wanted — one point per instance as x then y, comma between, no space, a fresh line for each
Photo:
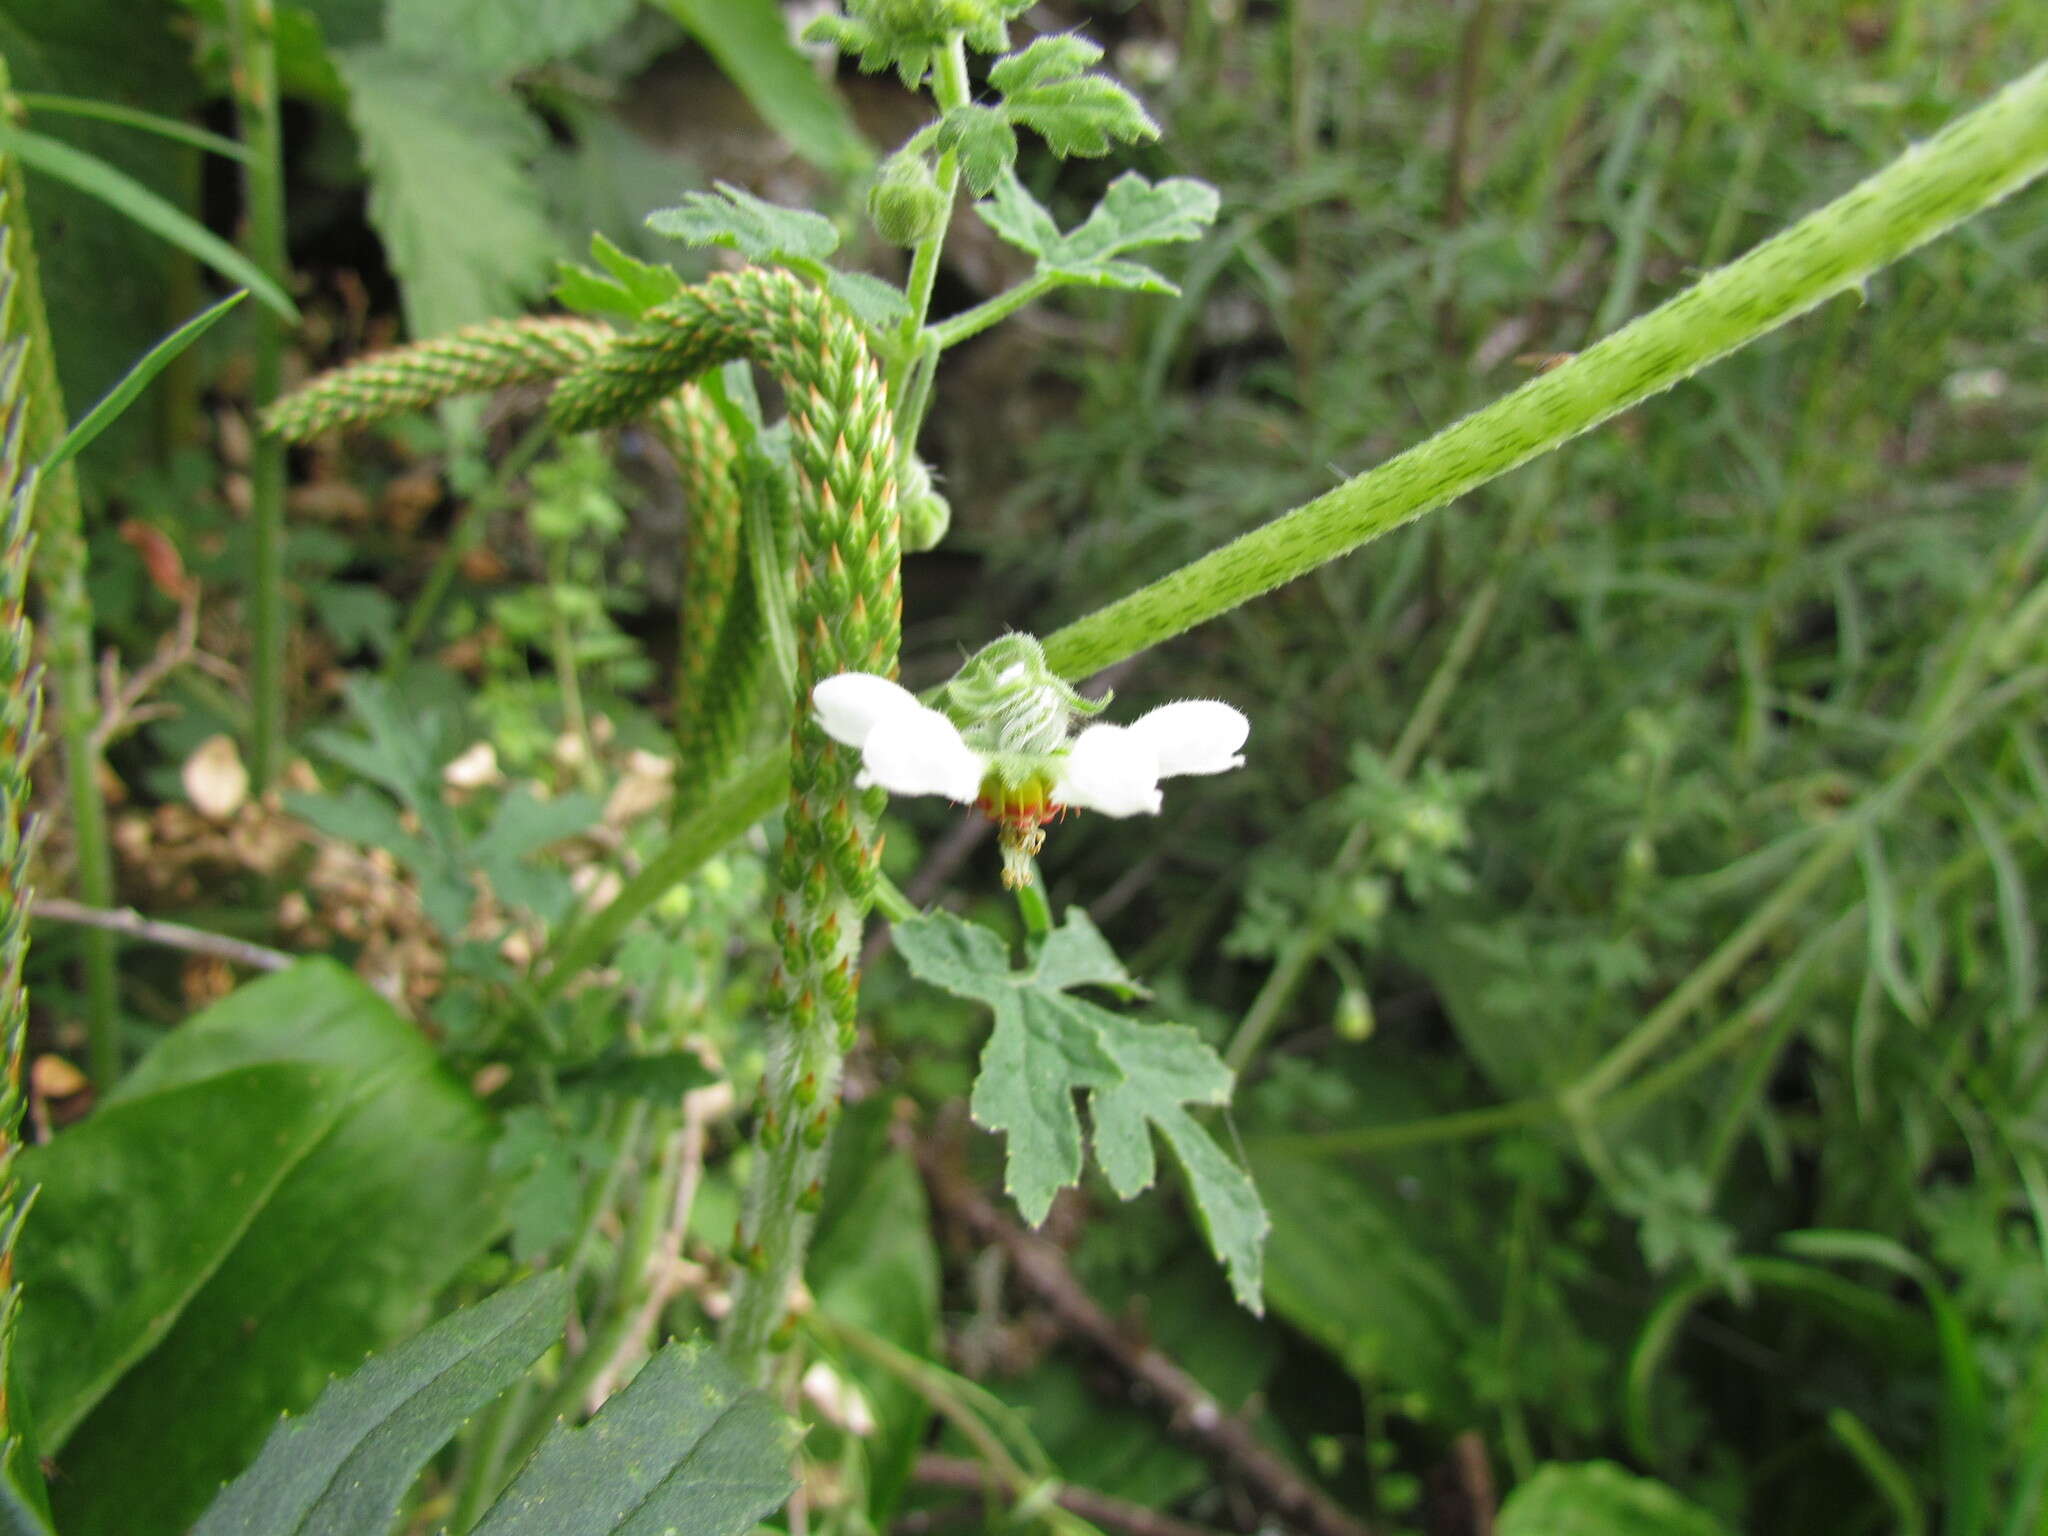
1193,1413
936,1471
198,941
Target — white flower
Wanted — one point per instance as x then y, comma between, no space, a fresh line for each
909,749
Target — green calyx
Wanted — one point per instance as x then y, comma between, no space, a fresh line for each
1012,709
925,513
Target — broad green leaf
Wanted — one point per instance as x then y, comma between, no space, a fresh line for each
19,1514
136,1212
342,1469
344,1257
450,196
1598,1498
874,1267
1047,1044
749,39
1043,88
687,1449
136,380
1133,214
124,194
758,230
1345,1269
985,142
495,38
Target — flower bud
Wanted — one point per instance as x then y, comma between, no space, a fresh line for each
906,203
925,513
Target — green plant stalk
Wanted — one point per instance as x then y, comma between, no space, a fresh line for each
1976,161
949,90
253,40
67,624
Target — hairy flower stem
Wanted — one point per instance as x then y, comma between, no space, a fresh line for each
1977,160
253,38
67,623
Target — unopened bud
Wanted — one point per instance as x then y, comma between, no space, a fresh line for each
906,203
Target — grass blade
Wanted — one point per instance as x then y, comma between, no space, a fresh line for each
123,193
137,379
129,117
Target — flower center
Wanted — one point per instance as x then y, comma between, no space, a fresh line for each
1018,808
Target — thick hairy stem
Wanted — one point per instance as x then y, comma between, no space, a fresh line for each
1968,166
67,620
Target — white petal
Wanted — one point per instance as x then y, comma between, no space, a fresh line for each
852,704
1112,770
921,753
1194,736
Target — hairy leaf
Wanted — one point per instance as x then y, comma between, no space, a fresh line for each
1140,1077
758,230
1598,1498
496,38
985,142
874,302
460,220
1134,213
1044,88
343,1468
687,1449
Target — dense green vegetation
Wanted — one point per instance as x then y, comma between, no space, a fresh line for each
1622,932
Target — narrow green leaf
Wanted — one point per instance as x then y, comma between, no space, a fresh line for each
116,400
738,220
342,1468
687,1449
749,39
137,1212
130,117
663,1077
121,192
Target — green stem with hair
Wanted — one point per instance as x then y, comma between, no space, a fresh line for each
1982,157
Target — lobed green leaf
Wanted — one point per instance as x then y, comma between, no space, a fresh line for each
1047,1044
759,230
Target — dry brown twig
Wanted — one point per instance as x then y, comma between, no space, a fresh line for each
1192,1412
197,941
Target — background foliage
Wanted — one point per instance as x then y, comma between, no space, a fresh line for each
1625,931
